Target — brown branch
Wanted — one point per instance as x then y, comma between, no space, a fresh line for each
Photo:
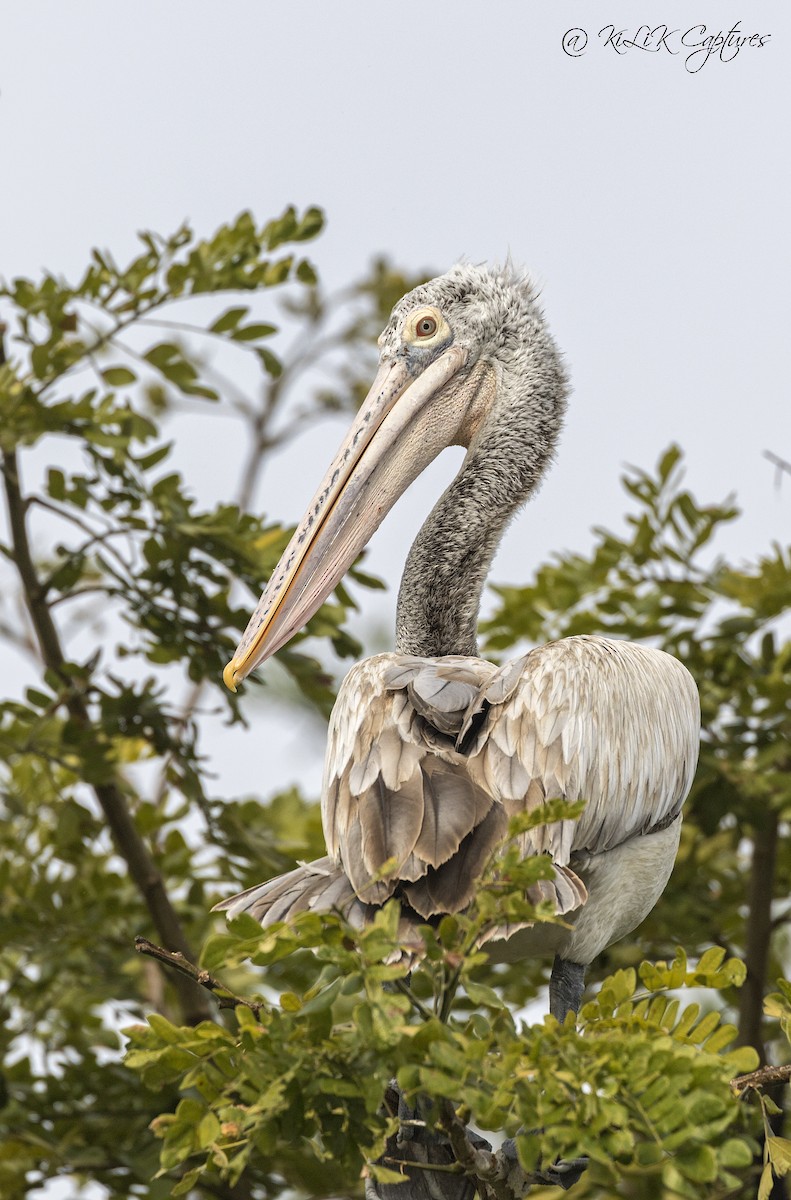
763,1077
126,836
781,464
499,1175
481,1165
443,1168
758,932
451,1162
223,995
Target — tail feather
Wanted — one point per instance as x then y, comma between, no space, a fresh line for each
566,892
322,887
319,885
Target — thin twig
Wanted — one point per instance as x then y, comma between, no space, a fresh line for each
760,1078
223,995
481,1164
443,1168
418,1005
781,464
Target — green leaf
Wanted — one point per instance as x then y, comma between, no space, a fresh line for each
56,483
735,1153
147,461
118,376
486,997
779,1151
271,364
306,273
698,1163
208,1130
187,1182
668,461
251,333
711,961
229,319
766,1183
385,1174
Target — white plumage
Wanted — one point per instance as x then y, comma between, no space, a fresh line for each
432,749
427,759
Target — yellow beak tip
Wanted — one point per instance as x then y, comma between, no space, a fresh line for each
229,675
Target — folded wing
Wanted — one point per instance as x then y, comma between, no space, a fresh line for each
427,760
612,723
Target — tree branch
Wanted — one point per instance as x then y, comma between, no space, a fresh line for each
451,1162
763,1077
781,464
223,995
758,933
111,799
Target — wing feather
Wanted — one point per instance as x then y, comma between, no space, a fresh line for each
454,805
612,723
390,822
395,785
451,886
427,759
323,887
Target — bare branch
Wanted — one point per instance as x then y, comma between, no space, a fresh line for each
760,1078
782,465
223,995
758,931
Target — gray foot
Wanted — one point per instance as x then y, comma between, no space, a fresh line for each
566,985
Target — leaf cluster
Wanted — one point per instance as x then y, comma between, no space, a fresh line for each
122,598
641,1086
662,582
133,594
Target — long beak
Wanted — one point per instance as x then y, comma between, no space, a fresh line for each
395,435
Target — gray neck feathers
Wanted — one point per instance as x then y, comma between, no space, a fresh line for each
446,569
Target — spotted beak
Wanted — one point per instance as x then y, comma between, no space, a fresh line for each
398,431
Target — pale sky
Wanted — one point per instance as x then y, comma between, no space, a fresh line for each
651,202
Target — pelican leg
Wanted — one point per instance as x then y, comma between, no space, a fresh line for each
566,985
563,1174
406,1116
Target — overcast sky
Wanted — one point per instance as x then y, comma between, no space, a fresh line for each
647,191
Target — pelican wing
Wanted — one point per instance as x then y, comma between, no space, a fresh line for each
428,758
402,811
322,887
612,723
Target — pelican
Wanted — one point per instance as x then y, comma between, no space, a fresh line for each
431,749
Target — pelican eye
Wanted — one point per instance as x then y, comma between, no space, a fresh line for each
426,327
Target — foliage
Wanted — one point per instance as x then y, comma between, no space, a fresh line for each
641,1086
660,582
110,827
136,594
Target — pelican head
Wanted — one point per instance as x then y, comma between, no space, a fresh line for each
465,359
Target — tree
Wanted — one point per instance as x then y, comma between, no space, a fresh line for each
108,812
106,807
